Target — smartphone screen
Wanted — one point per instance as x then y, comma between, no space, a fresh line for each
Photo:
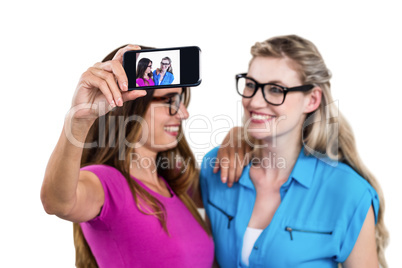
162,68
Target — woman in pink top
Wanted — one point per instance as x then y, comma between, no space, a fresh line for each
122,177
144,73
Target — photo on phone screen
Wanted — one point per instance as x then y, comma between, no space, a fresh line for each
161,68
158,68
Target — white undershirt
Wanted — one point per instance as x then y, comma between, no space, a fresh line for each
249,239
161,77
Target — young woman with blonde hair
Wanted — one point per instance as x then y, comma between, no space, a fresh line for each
164,74
306,199
122,170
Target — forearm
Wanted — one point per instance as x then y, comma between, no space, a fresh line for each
59,189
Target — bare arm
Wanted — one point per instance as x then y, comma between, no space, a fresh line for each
364,253
66,191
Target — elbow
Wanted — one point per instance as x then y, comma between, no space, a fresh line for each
47,203
47,207
53,208
45,200
46,196
52,205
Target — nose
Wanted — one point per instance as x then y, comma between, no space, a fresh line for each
257,100
182,114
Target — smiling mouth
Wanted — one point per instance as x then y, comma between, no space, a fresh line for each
172,129
260,117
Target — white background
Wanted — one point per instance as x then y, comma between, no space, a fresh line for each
47,45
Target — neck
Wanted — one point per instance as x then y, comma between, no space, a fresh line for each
143,166
276,160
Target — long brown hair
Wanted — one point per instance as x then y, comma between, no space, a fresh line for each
141,68
338,145
181,178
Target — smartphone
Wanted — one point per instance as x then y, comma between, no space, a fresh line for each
163,68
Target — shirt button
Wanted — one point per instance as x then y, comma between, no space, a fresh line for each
256,247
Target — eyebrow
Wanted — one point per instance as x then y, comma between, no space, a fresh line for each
278,82
271,82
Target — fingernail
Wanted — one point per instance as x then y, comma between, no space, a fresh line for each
112,104
125,86
224,180
119,102
143,93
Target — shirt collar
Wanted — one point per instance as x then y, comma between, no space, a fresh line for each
303,172
245,179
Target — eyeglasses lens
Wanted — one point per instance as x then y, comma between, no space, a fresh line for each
272,93
246,87
175,104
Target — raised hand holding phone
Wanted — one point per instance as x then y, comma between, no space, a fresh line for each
103,87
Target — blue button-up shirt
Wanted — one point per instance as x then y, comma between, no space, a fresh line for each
323,207
167,79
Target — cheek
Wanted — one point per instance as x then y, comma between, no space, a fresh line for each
246,114
160,116
294,104
146,123
245,103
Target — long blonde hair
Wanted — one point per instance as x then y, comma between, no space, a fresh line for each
338,145
113,128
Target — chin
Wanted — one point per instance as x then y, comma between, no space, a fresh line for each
161,147
258,135
172,145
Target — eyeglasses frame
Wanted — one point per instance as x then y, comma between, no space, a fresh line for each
303,88
163,98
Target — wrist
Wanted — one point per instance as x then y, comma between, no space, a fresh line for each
76,129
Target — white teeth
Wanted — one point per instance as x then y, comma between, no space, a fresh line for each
172,129
260,116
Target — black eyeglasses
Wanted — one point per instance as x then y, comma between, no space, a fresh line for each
165,63
150,66
273,94
174,100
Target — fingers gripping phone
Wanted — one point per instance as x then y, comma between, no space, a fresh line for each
163,68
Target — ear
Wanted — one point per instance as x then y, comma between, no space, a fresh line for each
313,100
